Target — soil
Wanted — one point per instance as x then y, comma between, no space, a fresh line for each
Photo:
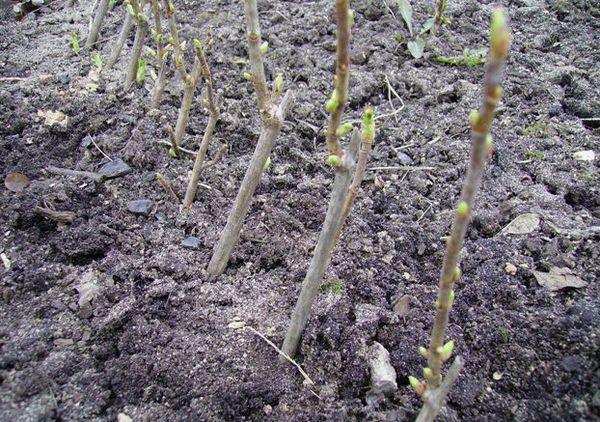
111,314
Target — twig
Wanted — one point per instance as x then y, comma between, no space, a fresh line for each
96,23
138,42
272,121
218,156
337,102
208,131
433,400
98,178
168,186
395,111
63,217
480,126
324,248
286,357
170,144
118,47
98,148
401,168
159,84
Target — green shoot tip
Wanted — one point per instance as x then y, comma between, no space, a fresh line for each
334,160
462,209
264,47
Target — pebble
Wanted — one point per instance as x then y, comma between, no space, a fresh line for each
140,207
510,268
114,168
191,242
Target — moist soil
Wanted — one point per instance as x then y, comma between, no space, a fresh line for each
112,314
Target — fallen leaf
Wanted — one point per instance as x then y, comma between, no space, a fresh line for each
588,155
523,224
16,182
558,278
52,118
416,47
402,306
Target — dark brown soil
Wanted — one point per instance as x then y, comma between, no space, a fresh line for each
157,345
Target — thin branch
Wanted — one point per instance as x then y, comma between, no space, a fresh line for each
118,47
168,186
96,24
256,59
337,102
218,156
172,24
212,121
324,249
159,84
63,217
480,124
98,178
138,43
433,400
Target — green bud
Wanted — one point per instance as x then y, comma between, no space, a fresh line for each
351,16
264,47
197,44
423,352
172,153
278,85
368,126
130,10
452,297
499,36
427,373
474,117
446,350
188,79
97,59
171,8
334,160
457,274
248,76
141,71
344,129
267,164
333,103
462,209
75,43
416,385
489,144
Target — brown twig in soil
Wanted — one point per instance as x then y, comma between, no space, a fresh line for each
336,104
308,380
324,248
481,121
98,178
208,131
181,149
138,42
96,23
63,217
218,157
272,121
401,168
161,80
118,46
168,186
440,8
433,400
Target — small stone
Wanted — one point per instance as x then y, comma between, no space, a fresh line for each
236,325
87,141
114,168
402,306
140,207
404,158
122,417
571,363
63,342
191,242
497,376
267,409
588,155
510,268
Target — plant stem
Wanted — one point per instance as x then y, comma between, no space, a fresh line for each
178,52
190,83
118,47
480,124
138,43
231,232
159,84
434,400
324,249
256,59
440,7
342,74
212,121
97,23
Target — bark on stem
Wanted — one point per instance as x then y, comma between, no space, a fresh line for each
324,249
178,52
159,84
212,121
118,47
433,400
256,59
186,102
138,44
231,232
97,23
342,71
480,125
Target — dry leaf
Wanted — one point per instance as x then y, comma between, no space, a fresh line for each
16,182
52,118
558,278
523,224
